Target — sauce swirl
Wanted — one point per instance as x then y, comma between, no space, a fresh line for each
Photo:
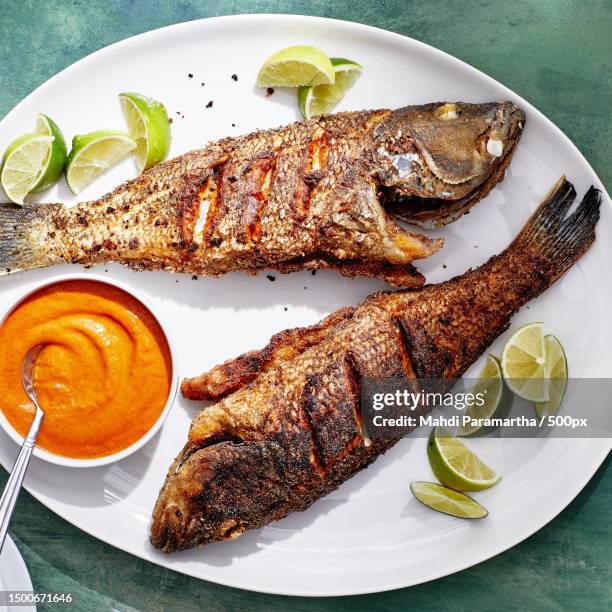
104,375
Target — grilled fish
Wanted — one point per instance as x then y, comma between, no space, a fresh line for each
287,429
308,195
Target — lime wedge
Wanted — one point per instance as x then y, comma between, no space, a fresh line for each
523,363
24,164
94,153
447,501
57,158
321,99
149,126
490,387
456,466
295,66
556,366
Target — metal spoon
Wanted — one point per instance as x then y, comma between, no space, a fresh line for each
13,485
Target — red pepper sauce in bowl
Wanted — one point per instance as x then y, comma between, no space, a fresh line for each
103,377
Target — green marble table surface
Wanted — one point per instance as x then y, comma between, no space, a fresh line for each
555,53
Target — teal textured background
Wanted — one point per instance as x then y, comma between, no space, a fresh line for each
556,54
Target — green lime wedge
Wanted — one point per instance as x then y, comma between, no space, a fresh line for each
455,465
149,126
94,153
296,66
23,165
556,365
447,501
57,159
321,99
523,363
490,387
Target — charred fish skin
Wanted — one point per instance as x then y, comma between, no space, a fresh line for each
308,195
287,432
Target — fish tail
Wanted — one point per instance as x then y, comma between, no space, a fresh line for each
552,238
472,310
22,246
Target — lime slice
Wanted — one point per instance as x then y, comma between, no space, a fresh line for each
57,159
23,165
456,466
447,501
321,99
296,66
94,153
523,363
556,365
149,126
490,387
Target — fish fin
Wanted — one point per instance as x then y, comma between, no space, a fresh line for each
235,373
403,275
396,275
555,239
18,251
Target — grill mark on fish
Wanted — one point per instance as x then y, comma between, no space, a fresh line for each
215,207
207,200
289,461
318,150
308,396
264,171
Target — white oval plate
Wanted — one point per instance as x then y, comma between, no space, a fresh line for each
369,535
14,574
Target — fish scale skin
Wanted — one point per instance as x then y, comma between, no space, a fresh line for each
305,195
292,434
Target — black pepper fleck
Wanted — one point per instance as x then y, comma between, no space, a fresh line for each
271,278
190,75
444,266
209,105
313,272
234,77
286,309
202,84
233,125
194,277
269,92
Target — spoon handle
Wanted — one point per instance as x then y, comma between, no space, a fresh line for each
13,484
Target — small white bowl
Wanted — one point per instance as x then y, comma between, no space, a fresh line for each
41,453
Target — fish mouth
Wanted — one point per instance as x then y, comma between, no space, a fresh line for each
446,183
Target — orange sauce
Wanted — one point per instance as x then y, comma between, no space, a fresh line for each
104,375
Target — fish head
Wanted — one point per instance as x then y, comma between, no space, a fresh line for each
433,162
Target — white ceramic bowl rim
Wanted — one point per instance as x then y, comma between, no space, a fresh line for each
98,461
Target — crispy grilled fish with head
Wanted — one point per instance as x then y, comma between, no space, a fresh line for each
289,431
308,195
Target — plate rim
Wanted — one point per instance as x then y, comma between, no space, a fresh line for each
435,52
21,572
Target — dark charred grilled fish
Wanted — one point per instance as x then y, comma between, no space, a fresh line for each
289,430
308,195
